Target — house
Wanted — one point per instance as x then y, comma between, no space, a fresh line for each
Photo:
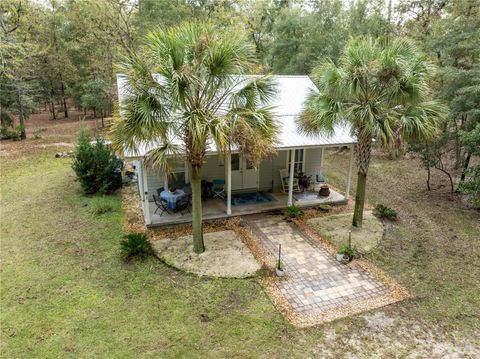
249,189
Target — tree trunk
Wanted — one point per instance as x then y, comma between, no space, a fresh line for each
465,167
197,225
363,152
359,200
428,178
21,116
54,117
103,124
65,109
450,178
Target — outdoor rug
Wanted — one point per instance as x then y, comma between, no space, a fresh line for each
239,199
306,196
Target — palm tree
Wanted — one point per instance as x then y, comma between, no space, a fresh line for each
184,94
380,89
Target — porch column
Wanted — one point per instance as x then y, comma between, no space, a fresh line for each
349,178
322,152
187,173
146,205
290,179
229,183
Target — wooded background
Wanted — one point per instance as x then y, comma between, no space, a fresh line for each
59,54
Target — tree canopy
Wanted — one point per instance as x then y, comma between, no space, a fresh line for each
53,51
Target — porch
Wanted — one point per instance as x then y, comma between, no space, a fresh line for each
217,208
275,181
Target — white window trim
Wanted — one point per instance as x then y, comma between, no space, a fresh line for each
287,162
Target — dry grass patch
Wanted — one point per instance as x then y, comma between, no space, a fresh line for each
336,229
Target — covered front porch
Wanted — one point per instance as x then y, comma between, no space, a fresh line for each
217,208
275,179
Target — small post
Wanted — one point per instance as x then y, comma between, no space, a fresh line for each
279,253
350,239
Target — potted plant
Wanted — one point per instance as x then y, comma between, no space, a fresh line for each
324,191
345,253
278,269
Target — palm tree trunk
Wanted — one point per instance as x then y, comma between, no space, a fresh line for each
197,225
363,151
359,200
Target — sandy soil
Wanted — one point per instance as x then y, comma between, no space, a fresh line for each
226,255
335,228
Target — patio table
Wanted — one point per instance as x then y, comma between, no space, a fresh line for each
172,198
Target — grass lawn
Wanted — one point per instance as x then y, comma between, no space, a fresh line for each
65,291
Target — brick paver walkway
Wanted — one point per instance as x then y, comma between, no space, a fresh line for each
316,281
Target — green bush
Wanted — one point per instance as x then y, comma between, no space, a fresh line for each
37,134
386,212
101,205
347,250
471,186
293,211
10,133
135,245
96,166
325,207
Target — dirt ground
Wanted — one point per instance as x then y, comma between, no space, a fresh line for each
61,132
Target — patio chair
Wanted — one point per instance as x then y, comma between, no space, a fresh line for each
218,188
284,180
318,178
188,190
160,190
183,205
162,205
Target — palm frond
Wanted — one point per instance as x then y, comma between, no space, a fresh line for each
161,158
380,88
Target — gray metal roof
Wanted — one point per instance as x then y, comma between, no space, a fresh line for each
292,91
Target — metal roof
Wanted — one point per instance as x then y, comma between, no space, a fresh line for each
292,91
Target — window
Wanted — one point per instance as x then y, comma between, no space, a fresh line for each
299,165
235,162
177,178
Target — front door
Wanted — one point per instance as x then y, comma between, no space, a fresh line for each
244,174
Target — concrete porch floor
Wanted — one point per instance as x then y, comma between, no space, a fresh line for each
217,208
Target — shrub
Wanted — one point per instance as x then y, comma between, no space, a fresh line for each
37,134
10,133
347,250
101,205
293,211
96,166
471,186
386,212
135,245
325,207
